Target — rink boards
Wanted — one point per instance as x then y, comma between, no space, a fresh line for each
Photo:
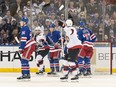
10,62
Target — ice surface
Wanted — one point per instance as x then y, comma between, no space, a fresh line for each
9,80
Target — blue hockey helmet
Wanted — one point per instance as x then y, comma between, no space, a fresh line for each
24,19
82,23
52,25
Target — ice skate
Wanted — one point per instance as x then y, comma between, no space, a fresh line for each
52,74
80,74
75,78
87,74
24,77
40,73
64,78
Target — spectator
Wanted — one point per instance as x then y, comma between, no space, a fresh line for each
4,5
46,26
18,16
62,17
111,32
72,7
14,34
91,7
38,6
81,10
106,38
27,9
34,25
57,27
53,17
51,9
4,39
99,34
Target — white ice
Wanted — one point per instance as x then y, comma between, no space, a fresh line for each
9,80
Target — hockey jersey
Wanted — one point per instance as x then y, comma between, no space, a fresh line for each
86,36
41,41
73,42
26,39
53,37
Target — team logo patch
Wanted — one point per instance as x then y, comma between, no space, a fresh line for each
23,32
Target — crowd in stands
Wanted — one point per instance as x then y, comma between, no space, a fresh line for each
43,12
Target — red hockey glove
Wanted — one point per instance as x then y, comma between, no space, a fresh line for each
20,51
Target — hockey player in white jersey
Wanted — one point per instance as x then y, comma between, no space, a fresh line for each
73,47
42,49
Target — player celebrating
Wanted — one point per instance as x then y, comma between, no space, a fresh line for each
26,48
85,54
53,38
73,47
42,49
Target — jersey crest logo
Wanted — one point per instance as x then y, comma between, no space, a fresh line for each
23,32
72,31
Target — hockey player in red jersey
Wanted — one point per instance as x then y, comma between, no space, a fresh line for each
88,38
26,48
73,47
42,49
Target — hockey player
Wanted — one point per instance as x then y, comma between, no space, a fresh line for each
42,49
88,38
53,38
73,47
26,48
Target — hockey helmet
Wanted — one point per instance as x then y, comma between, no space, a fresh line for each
24,19
69,22
82,23
38,28
52,25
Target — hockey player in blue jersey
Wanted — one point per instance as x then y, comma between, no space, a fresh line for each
84,58
53,38
26,48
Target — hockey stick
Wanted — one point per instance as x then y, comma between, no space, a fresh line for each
61,7
17,40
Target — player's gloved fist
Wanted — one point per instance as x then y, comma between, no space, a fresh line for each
60,23
41,40
20,51
36,46
56,46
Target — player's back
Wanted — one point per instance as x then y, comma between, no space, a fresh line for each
71,33
86,36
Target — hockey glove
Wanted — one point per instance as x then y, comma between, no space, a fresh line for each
60,23
21,51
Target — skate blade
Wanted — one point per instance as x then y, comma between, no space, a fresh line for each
65,80
75,80
40,74
86,77
82,76
53,75
23,80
